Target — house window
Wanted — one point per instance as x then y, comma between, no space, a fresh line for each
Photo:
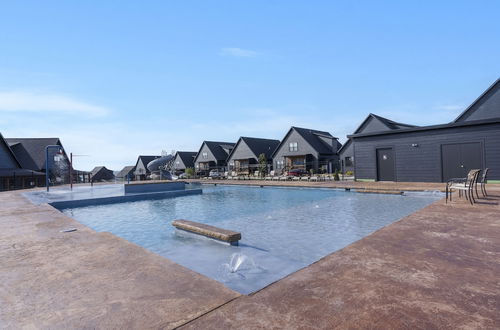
348,161
204,155
177,162
280,164
293,146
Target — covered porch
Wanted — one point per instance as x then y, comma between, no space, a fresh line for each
304,162
246,166
204,168
11,179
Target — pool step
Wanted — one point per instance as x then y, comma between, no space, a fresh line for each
220,234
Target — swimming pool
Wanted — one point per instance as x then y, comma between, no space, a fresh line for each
283,229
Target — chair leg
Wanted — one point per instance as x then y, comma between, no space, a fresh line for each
483,187
471,196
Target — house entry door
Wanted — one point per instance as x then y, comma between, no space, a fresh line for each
385,165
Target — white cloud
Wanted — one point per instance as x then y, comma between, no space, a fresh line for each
22,101
450,107
238,52
115,144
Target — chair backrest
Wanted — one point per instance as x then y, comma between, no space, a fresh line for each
472,176
485,173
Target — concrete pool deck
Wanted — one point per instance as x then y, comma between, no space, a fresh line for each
86,279
436,268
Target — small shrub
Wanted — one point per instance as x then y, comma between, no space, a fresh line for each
262,169
349,173
189,172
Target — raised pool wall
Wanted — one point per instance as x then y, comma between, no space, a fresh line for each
133,193
137,188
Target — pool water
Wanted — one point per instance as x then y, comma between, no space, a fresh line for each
283,229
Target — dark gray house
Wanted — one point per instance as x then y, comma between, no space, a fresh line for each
434,153
244,158
31,155
12,175
141,170
212,156
372,123
31,152
101,173
183,160
126,173
307,149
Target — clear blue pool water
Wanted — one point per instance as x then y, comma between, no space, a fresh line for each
283,229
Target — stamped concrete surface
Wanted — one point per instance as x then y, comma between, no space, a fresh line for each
438,268
86,279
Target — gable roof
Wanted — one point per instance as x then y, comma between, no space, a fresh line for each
217,149
481,100
258,146
100,171
462,120
10,153
345,145
32,153
312,137
390,124
96,170
145,160
187,157
126,171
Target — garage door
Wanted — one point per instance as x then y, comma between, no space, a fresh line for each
459,158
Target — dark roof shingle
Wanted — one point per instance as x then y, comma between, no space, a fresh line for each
187,157
261,146
217,149
127,170
32,152
312,137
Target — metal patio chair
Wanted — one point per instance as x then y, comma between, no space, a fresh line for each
483,181
464,186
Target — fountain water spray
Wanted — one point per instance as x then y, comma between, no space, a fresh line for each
237,260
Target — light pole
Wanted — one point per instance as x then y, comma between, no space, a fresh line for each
47,163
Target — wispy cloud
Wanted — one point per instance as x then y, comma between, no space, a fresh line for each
23,101
238,52
449,107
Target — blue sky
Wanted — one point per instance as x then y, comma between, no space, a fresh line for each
114,79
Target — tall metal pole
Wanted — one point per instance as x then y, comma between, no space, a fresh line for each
71,170
47,167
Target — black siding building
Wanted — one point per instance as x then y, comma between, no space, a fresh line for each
184,160
372,123
141,171
101,173
434,153
12,175
212,156
127,173
244,159
307,149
